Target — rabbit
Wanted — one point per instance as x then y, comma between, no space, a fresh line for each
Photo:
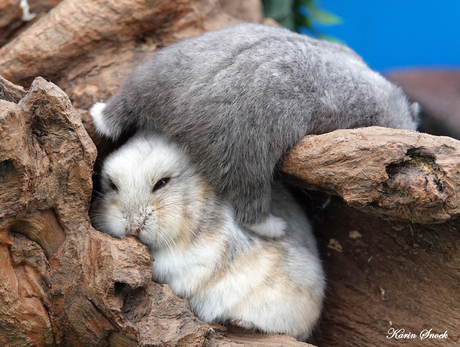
228,274
238,98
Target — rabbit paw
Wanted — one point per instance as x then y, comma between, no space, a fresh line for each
271,227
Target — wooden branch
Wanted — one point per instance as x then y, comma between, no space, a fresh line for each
391,173
12,22
87,47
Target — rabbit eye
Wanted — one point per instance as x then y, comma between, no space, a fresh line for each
160,184
113,186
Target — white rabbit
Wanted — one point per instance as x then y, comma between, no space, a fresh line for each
229,275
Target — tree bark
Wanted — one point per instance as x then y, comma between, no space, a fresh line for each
88,47
399,173
13,20
385,275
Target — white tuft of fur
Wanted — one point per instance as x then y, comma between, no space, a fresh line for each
26,15
271,227
98,118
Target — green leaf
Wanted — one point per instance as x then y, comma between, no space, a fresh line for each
324,17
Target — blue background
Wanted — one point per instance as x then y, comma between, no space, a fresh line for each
398,34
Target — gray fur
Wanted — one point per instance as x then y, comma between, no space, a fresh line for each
238,98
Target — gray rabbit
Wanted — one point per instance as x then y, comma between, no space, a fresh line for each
238,98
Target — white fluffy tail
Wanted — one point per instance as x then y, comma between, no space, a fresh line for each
98,118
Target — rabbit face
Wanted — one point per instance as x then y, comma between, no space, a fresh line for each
148,191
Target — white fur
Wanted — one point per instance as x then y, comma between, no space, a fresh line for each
272,226
26,15
228,275
98,119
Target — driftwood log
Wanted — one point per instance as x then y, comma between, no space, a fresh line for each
87,47
387,172
64,283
